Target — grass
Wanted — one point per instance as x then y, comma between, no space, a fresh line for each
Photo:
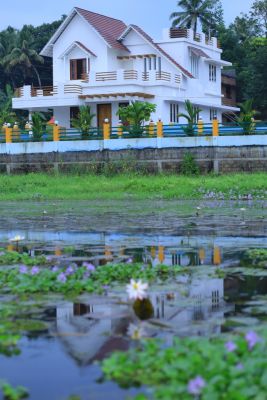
92,187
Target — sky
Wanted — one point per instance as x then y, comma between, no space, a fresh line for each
152,15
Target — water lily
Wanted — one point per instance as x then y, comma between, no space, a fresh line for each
196,385
136,332
17,238
137,290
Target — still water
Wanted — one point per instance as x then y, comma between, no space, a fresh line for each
59,359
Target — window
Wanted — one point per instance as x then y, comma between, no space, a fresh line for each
174,111
194,65
152,63
228,92
77,69
212,73
74,111
213,114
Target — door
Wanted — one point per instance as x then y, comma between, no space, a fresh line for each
103,112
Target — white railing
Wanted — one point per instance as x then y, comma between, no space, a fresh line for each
102,79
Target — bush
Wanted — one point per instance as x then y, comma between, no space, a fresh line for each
189,165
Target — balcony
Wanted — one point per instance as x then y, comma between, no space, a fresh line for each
181,33
122,79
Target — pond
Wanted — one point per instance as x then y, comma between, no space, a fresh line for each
64,338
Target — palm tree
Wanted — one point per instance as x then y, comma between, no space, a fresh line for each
246,118
83,122
8,40
193,10
25,57
191,117
136,114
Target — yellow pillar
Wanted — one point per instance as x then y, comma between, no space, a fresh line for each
217,259
8,135
200,126
120,129
153,252
215,127
106,129
160,129
16,131
161,255
56,133
201,255
151,128
58,252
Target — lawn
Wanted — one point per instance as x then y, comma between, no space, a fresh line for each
92,187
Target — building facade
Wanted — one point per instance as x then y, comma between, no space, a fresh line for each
101,62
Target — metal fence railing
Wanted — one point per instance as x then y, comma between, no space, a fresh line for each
124,131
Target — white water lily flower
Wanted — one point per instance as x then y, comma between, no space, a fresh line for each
242,209
17,238
137,290
136,332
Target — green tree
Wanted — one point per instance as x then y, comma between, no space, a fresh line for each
259,12
246,117
194,11
83,122
191,117
136,114
38,125
24,57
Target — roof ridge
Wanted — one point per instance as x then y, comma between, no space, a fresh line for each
101,15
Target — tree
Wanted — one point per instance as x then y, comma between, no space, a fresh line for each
246,118
259,11
83,122
191,117
194,11
136,114
38,125
26,58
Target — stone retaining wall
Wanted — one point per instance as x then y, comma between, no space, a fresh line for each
210,159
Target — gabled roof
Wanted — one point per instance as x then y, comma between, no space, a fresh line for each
156,46
109,29
81,46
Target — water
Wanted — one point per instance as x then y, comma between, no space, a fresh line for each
59,357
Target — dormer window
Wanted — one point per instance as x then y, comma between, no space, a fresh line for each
78,69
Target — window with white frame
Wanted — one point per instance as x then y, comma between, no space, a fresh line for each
194,65
213,114
212,73
174,112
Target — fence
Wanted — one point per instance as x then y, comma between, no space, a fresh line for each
152,130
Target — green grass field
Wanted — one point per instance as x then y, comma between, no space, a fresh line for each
92,187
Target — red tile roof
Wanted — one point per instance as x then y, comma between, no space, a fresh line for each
160,49
109,28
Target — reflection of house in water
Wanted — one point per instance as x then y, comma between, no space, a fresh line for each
90,331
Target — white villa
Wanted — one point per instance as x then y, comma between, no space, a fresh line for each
101,62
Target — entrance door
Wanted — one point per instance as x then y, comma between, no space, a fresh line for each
103,112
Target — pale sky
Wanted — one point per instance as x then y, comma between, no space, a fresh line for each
152,15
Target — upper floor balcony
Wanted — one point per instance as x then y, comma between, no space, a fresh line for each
183,33
118,80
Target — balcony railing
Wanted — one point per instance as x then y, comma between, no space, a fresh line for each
101,79
180,33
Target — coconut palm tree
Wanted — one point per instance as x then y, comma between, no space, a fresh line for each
83,122
192,12
246,117
191,117
26,58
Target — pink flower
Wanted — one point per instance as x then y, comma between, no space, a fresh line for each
196,385
230,346
35,271
252,339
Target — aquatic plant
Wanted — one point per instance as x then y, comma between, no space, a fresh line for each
12,393
137,290
86,278
194,368
255,258
14,257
